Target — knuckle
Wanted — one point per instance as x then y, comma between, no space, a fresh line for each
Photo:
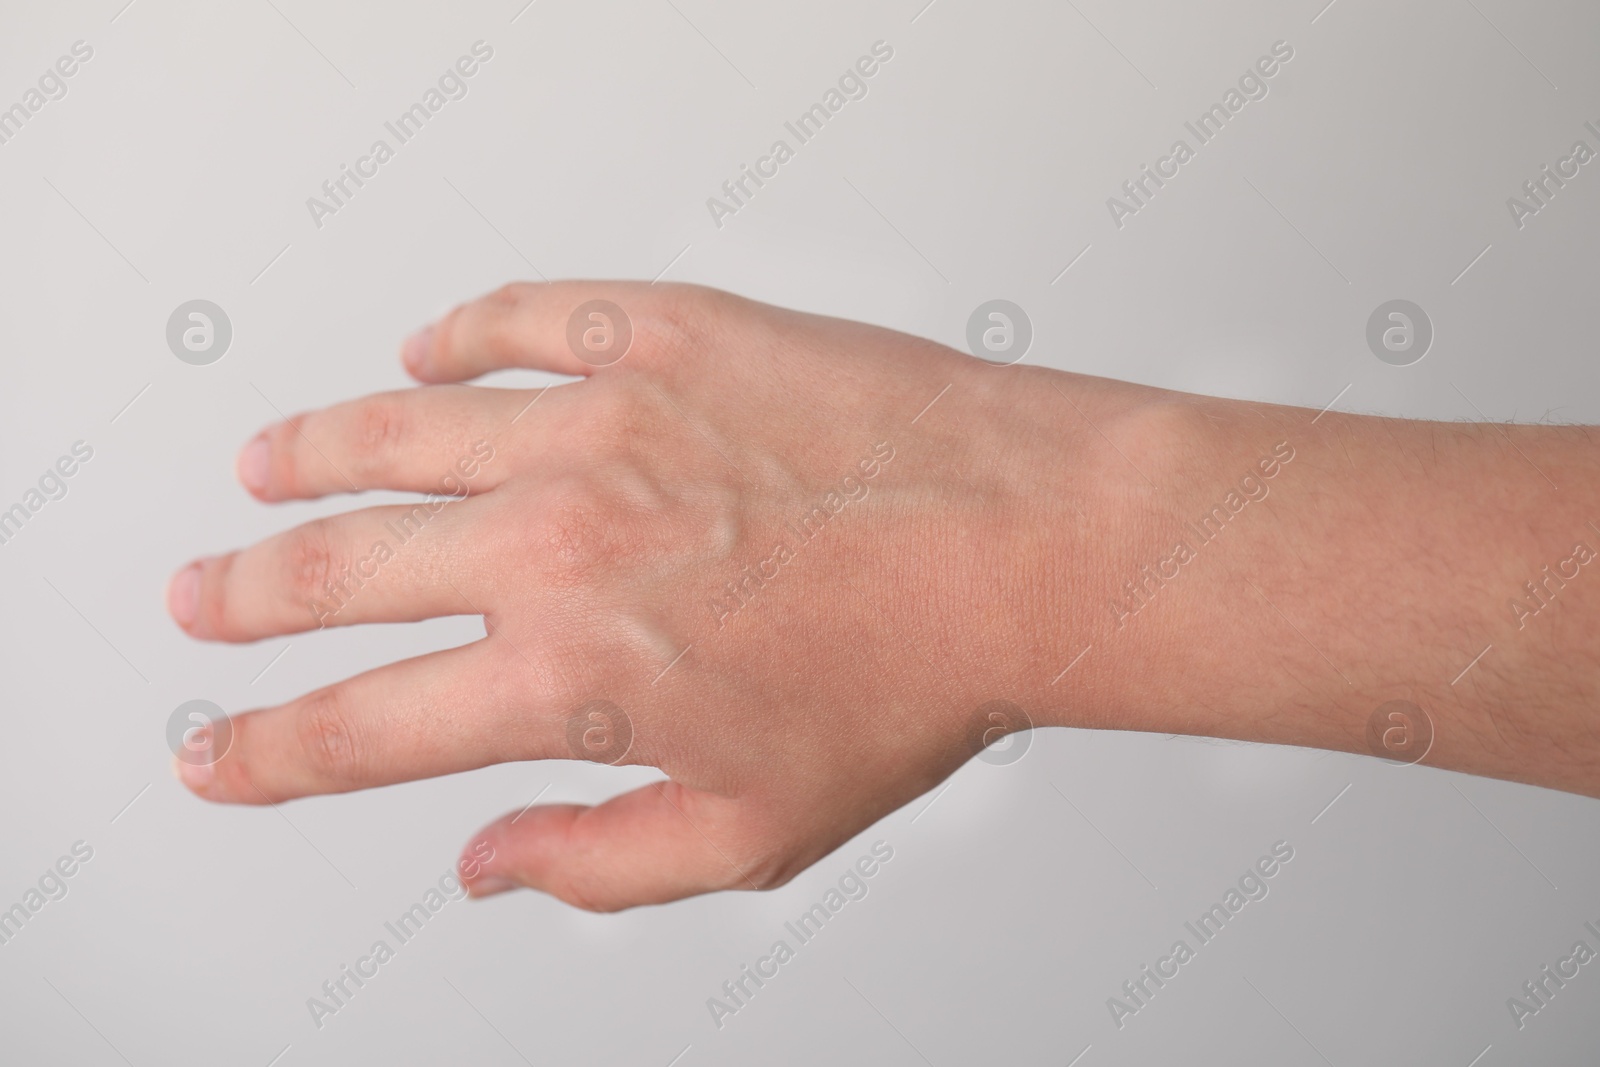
576,883
502,337
510,294
311,569
497,325
612,420
577,533
376,426
573,537
327,739
681,321
510,321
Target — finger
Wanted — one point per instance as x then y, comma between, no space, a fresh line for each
449,440
662,842
400,563
573,327
447,711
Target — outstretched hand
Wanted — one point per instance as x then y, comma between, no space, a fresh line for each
783,558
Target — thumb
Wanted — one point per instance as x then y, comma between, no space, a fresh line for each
658,843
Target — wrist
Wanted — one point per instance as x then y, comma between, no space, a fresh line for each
1179,494
1090,460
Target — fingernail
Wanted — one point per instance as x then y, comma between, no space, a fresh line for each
197,776
252,464
183,595
489,885
417,348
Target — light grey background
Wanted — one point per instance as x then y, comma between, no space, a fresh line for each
978,166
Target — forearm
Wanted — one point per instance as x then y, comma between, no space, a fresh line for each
1287,574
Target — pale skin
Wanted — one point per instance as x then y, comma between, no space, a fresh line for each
986,559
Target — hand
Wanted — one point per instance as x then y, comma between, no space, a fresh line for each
783,558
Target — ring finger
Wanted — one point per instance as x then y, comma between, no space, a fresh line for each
400,563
